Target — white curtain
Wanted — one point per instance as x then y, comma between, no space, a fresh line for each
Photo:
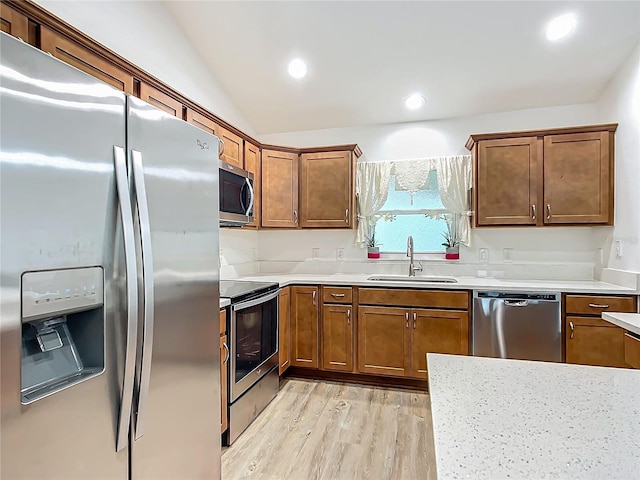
372,187
454,182
412,175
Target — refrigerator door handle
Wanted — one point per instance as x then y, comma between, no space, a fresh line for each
147,282
126,216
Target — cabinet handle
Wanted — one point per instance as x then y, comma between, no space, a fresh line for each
313,295
220,147
533,212
548,211
406,317
295,216
415,320
596,305
337,295
226,357
349,317
346,216
571,327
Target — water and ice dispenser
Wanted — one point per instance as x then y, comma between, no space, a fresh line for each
62,330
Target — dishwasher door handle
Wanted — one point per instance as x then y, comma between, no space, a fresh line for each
517,303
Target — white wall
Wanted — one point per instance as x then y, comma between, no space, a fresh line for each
145,34
537,252
620,103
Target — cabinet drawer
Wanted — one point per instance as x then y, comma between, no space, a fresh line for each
595,305
414,298
632,350
337,294
223,321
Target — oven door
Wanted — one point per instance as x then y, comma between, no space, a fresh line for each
254,341
236,195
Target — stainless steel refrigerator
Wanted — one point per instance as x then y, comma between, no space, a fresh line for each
109,276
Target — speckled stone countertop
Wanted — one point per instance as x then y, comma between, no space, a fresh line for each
224,302
496,419
463,283
628,321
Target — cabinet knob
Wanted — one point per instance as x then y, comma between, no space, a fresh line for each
533,212
349,317
313,296
295,216
346,216
548,211
415,320
406,318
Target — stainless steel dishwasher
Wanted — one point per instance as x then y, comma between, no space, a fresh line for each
525,326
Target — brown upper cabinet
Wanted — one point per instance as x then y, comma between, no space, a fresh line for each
202,122
279,175
232,150
14,23
161,100
252,164
547,177
84,59
327,189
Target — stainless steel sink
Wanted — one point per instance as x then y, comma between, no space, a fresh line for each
406,278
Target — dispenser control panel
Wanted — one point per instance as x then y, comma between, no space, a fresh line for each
55,292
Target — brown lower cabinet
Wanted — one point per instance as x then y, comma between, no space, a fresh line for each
592,341
394,341
305,313
337,337
284,330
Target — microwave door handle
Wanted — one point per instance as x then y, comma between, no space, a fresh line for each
255,301
131,278
242,197
251,196
147,289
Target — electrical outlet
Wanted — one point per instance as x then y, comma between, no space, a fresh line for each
340,254
315,254
483,255
618,244
507,255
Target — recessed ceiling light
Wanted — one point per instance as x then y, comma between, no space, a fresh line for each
414,101
560,27
297,68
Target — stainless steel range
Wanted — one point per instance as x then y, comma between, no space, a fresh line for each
253,372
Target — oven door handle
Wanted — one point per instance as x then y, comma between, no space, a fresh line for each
255,301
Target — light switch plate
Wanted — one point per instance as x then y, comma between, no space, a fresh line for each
483,255
340,254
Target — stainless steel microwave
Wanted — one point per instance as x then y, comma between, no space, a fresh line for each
236,196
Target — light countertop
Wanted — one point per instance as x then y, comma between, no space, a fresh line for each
224,302
464,283
628,321
497,419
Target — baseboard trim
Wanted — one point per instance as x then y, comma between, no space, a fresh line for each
356,378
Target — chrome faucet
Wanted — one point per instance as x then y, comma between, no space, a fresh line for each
412,267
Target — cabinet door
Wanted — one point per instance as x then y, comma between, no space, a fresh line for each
14,23
224,376
84,59
304,327
279,189
284,330
326,189
592,341
384,340
232,148
160,100
577,178
337,338
252,164
436,331
202,122
506,182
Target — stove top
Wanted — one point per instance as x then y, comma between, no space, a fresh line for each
237,290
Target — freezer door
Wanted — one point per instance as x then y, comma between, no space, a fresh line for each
177,410
59,212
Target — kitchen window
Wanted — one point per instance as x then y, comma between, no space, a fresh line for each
420,214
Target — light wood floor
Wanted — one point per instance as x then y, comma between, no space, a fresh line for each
324,430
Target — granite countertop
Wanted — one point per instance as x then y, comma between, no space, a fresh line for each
628,321
496,419
463,283
224,302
